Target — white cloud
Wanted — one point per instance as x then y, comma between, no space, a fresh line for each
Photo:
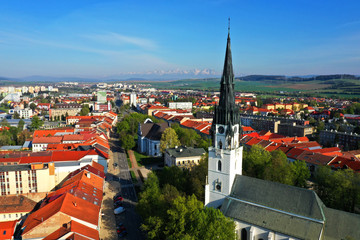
119,39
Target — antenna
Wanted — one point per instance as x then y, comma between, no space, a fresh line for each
229,26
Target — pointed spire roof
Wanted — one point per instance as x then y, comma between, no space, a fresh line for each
226,113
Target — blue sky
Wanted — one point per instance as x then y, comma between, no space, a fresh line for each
93,38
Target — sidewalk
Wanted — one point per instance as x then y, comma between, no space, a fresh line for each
135,167
107,219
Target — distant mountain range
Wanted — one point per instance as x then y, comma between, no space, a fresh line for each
174,75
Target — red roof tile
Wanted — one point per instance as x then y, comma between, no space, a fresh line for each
7,229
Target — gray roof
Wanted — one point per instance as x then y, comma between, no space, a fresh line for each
340,224
11,168
185,152
289,210
153,131
10,147
285,209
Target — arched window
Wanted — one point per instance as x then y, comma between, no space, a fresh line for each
220,145
219,165
244,234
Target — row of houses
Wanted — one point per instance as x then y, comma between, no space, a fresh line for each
302,149
71,211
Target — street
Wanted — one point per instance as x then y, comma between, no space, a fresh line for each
129,218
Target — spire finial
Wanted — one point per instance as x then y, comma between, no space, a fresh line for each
229,26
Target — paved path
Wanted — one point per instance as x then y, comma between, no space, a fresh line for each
135,167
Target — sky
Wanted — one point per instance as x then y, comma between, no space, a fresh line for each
93,38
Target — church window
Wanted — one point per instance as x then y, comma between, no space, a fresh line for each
244,234
220,145
219,165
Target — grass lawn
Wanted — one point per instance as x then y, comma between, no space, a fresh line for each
128,160
145,160
133,177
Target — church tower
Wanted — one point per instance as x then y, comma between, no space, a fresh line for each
225,156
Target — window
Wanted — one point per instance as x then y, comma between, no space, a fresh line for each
220,145
219,165
243,234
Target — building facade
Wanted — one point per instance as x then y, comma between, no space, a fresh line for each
183,157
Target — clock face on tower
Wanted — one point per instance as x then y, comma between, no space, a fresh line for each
221,130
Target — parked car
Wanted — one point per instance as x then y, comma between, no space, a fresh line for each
115,164
119,225
119,198
119,204
123,234
121,229
119,210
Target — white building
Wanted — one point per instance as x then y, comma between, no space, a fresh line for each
133,99
149,135
180,105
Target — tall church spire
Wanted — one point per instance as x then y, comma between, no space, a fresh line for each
225,156
226,112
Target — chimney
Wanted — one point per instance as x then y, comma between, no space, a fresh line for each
75,204
88,175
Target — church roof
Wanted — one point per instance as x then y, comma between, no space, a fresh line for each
282,208
289,210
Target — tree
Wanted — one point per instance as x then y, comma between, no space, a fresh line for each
168,214
21,124
278,169
16,115
85,110
255,161
127,142
338,189
32,106
36,123
22,136
4,140
169,139
5,123
300,173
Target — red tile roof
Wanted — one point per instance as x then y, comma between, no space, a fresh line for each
7,229
45,140
68,205
75,228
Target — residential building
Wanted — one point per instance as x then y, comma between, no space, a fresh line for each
60,110
26,172
346,141
133,99
14,207
184,157
180,105
149,135
292,130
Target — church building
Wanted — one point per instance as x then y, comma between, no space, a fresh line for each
263,210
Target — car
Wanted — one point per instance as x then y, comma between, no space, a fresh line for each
119,198
119,210
120,225
117,195
115,164
119,230
116,205
123,234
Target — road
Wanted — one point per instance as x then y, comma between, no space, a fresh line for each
129,218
